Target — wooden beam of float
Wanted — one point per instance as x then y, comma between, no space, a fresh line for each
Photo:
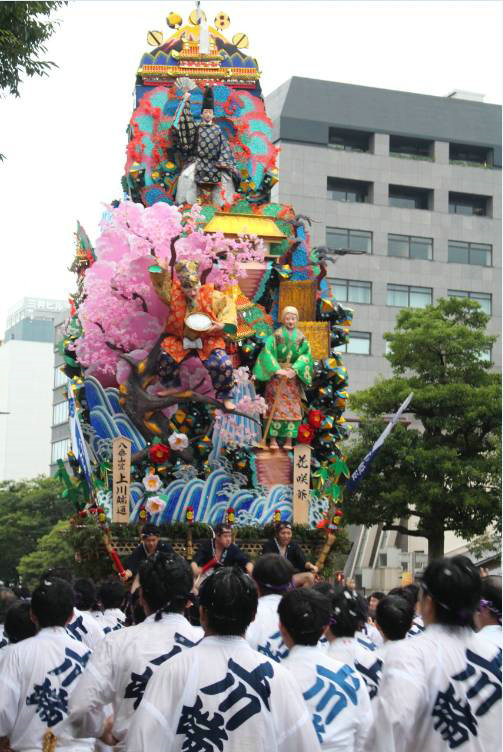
301,483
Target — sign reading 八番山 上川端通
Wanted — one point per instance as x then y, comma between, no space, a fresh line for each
121,479
301,483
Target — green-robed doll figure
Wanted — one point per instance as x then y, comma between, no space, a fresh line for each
285,362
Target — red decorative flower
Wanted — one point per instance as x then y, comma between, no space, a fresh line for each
315,418
305,434
159,453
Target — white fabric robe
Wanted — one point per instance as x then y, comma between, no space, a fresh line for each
37,676
335,695
222,696
367,662
440,691
492,633
85,628
120,670
110,619
263,633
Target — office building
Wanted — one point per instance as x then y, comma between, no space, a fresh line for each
26,382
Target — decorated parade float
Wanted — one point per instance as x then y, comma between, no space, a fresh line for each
205,384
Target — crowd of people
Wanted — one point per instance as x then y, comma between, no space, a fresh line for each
226,655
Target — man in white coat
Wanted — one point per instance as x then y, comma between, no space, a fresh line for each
126,660
39,674
223,696
441,690
335,693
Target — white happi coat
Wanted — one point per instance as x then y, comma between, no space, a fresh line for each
263,633
222,696
335,695
492,633
37,678
440,691
110,619
85,628
120,670
368,663
417,627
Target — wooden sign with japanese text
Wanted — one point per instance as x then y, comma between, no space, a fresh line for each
301,483
121,479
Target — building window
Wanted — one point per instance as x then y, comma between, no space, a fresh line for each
405,197
472,156
337,238
350,191
477,254
407,296
486,355
358,344
348,140
60,378
351,291
60,413
409,246
469,204
410,148
383,560
60,450
484,299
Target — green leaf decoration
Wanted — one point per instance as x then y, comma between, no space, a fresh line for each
155,268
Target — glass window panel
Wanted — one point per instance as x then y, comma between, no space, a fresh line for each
59,377
420,297
484,300
403,202
359,292
458,253
398,245
60,450
60,413
359,343
340,290
479,255
421,248
458,293
398,295
336,238
359,240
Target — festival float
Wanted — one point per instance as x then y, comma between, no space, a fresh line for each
205,382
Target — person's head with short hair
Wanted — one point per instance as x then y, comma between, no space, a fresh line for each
304,615
348,612
61,573
7,598
111,593
85,593
394,614
150,537
283,533
489,611
223,534
18,622
273,574
166,582
373,600
227,602
52,603
450,592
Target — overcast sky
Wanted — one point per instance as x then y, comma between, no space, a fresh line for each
65,140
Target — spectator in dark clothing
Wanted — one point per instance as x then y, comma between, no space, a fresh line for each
150,543
18,622
220,552
283,545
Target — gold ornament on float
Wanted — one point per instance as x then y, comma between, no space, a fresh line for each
154,38
240,40
174,20
196,16
222,20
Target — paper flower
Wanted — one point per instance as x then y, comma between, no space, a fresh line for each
178,441
315,418
159,453
155,505
305,434
151,481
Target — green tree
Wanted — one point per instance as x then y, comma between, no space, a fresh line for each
28,511
24,30
53,550
444,470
